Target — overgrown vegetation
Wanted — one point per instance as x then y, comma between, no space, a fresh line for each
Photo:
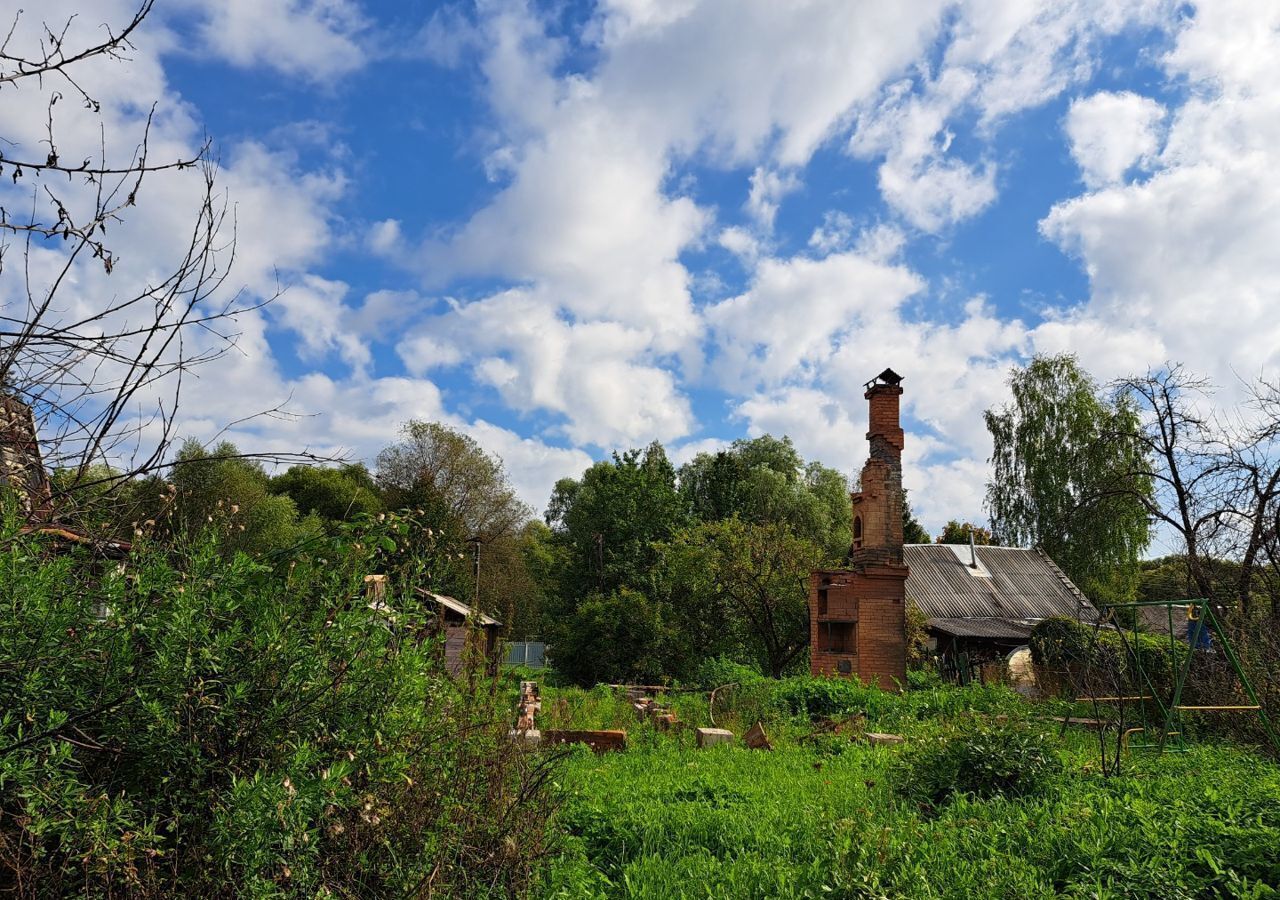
972,757
1069,648
970,806
203,722
708,560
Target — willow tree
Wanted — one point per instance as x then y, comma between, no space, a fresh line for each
1062,450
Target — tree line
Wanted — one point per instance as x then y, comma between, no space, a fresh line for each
642,570
1093,472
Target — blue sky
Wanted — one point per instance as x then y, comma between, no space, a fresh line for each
568,228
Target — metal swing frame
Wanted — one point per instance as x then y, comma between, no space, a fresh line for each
1170,713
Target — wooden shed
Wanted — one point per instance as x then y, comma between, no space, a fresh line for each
455,619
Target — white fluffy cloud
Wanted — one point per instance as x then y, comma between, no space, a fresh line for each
1110,133
798,310
568,291
600,375
283,214
319,40
767,190
591,221
1000,58
588,216
1182,264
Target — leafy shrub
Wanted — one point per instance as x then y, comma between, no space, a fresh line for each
720,670
920,679
824,697
825,821
978,758
917,633
201,722
1069,647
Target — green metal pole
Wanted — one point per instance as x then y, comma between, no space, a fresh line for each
1244,679
1155,694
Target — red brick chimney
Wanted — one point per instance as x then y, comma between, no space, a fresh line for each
877,506
857,615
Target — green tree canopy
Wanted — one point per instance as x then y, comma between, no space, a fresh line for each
912,531
611,518
746,583
605,530
220,488
765,480
334,494
447,474
1060,450
960,533
464,490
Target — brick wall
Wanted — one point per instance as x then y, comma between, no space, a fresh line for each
20,462
871,599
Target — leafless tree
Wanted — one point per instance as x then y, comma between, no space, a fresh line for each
100,363
1216,480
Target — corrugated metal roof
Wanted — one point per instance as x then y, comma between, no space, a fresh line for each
1006,629
1018,584
1155,619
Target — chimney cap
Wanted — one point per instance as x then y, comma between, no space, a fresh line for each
888,376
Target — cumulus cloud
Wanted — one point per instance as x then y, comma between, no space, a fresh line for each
797,310
1000,58
319,40
1112,132
1182,264
283,212
601,376
591,221
835,233
575,293
767,190
589,218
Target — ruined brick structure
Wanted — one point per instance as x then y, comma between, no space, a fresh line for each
857,619
22,469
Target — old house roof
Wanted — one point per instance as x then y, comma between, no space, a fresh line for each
985,628
1002,597
1155,619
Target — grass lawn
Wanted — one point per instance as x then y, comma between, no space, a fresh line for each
828,817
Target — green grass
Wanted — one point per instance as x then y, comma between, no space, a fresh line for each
828,818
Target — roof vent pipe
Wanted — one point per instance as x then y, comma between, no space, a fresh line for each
973,552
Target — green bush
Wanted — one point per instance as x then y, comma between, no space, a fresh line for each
920,679
719,670
194,721
1108,656
820,698
977,758
823,819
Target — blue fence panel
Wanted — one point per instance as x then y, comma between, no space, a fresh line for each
532,654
